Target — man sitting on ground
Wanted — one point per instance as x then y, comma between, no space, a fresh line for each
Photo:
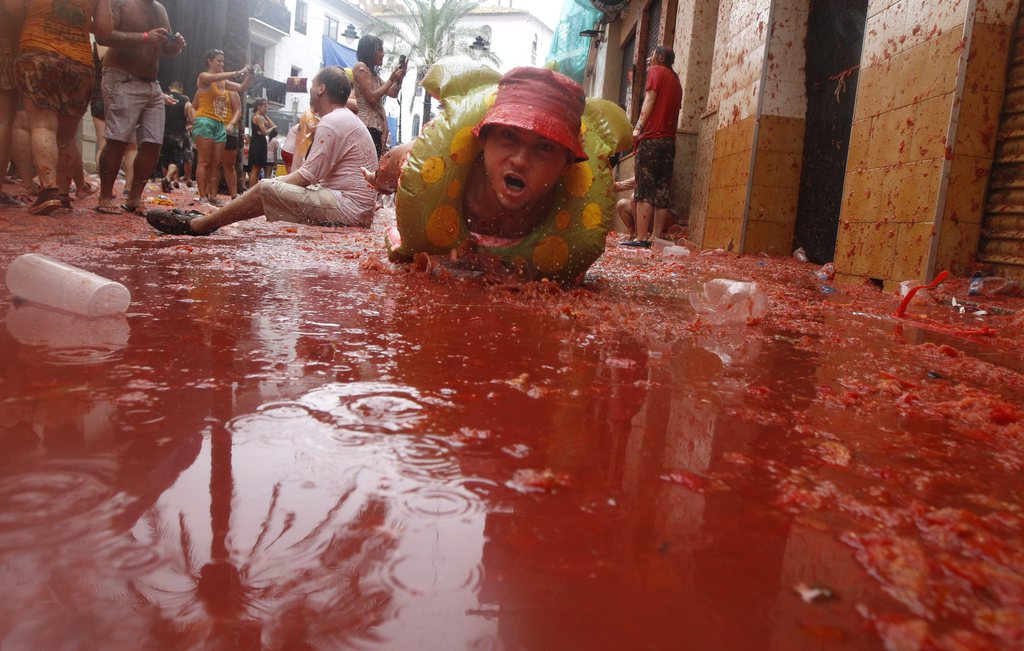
327,190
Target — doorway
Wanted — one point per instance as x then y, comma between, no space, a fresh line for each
835,31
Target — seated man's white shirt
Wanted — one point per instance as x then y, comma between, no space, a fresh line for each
341,146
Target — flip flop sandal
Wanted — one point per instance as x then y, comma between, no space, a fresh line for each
108,210
139,210
46,203
173,222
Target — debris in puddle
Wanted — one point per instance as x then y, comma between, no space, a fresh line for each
810,594
686,479
530,480
724,301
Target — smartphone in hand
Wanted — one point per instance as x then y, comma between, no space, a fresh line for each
403,61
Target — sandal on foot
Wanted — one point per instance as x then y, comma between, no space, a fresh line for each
7,201
107,209
139,209
165,184
47,201
173,222
637,244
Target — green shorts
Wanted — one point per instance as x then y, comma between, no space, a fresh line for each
210,129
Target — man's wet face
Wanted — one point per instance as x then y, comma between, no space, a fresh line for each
521,166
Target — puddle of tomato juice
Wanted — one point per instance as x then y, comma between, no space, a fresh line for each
263,453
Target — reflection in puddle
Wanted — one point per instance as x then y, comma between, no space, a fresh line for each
68,338
306,466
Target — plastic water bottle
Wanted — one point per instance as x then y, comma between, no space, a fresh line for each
730,301
675,252
55,284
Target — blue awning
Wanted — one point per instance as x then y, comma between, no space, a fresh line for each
336,54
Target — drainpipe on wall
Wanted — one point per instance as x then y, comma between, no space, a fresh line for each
757,126
947,160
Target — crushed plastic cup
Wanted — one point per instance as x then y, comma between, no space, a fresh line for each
658,245
675,252
800,254
920,298
43,280
993,285
726,301
826,273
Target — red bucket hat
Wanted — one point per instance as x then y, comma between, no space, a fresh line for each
542,101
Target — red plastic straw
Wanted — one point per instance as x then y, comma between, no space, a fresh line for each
913,290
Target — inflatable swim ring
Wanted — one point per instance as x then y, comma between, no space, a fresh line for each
428,204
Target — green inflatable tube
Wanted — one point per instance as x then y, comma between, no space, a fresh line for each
428,204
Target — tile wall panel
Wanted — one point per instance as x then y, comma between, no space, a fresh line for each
898,142
911,253
997,12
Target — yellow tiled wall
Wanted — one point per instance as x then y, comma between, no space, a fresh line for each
727,194
775,186
921,144
920,153
977,126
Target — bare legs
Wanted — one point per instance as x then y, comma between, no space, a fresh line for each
54,152
8,109
21,152
227,160
644,214
625,210
254,175
247,206
142,168
208,166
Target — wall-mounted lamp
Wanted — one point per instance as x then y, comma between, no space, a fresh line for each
479,46
595,34
350,34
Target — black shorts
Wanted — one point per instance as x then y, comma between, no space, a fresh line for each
232,143
654,160
175,150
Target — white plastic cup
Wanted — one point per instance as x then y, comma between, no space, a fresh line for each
676,252
658,245
55,284
726,301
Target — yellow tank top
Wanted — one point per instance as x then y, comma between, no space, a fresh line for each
214,103
60,26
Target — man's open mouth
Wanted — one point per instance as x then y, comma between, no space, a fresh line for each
514,184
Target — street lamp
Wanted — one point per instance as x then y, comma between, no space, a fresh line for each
479,46
350,34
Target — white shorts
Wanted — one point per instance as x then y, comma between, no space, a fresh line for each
313,205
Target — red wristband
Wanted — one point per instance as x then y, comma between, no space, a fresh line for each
145,36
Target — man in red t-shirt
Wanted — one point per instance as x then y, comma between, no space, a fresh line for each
655,134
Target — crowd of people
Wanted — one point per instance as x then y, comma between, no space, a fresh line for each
105,55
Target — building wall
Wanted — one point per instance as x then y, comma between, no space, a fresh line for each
931,85
305,51
779,137
923,137
740,39
694,46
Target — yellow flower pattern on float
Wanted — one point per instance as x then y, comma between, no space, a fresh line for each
578,179
551,254
443,225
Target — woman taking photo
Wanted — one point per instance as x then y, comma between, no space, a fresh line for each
370,89
213,112
262,128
